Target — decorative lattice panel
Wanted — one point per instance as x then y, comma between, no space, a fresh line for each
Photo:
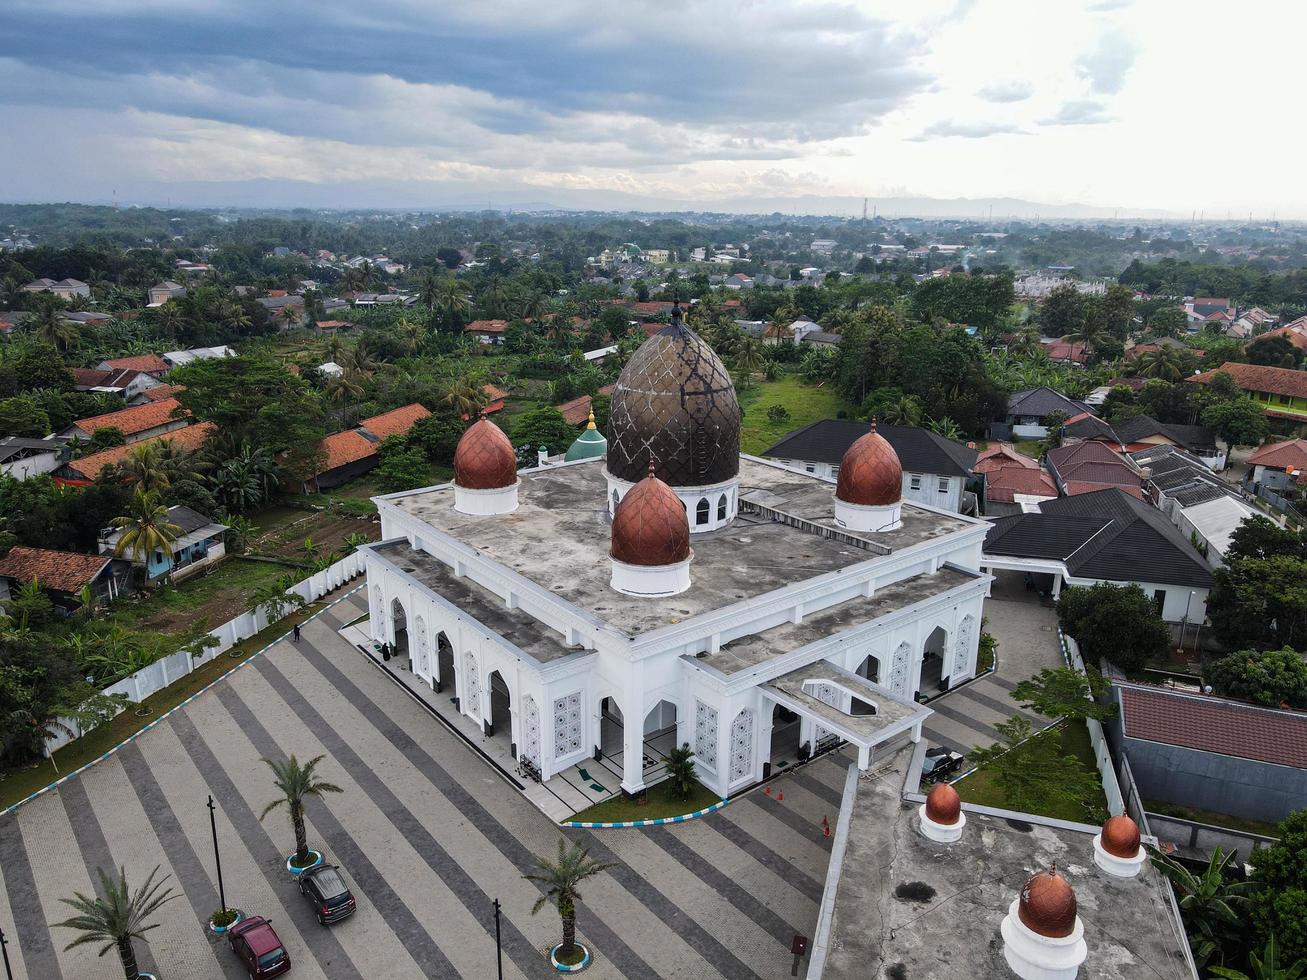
899,670
742,745
531,731
568,725
705,736
471,686
964,649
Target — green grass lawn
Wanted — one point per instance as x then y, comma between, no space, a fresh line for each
1212,817
981,788
1028,447
18,784
805,402
218,595
659,802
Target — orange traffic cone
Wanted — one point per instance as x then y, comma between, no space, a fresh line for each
825,830
780,796
767,791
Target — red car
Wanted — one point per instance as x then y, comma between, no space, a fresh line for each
258,948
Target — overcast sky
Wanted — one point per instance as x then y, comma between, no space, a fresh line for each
1170,104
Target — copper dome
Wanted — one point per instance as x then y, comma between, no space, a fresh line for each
674,404
1120,837
870,472
1048,905
943,805
650,526
484,459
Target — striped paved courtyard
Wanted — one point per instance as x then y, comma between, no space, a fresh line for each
427,833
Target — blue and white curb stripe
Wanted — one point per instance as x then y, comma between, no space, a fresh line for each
135,735
657,822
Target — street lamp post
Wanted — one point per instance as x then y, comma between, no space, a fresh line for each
217,858
4,949
499,946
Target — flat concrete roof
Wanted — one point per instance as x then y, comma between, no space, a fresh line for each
514,625
908,907
891,712
758,648
559,538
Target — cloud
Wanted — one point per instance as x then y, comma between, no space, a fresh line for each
1107,63
967,129
1080,112
1011,91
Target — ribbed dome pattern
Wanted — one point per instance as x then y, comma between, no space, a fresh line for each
484,459
650,526
870,472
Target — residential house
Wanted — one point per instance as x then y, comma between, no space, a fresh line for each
738,281
12,319
160,293
151,364
824,246
1085,427
936,470
1254,321
124,382
63,288
330,369
1211,753
331,326
657,256
1029,411
353,452
821,338
156,394
23,458
62,575
1014,482
176,358
495,396
598,355
198,545
1208,309
1086,467
1280,392
135,423
1295,331
577,411
1199,503
85,469
487,331
1278,464
1144,431
1063,351
87,318
1104,536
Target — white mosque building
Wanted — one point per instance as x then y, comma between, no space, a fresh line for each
672,590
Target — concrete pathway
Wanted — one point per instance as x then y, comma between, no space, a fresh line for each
426,832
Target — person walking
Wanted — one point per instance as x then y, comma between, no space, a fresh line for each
295,633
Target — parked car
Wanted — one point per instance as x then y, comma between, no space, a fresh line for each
257,947
940,764
324,886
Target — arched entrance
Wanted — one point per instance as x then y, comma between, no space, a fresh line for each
786,749
933,678
499,723
659,739
869,668
399,626
444,676
611,729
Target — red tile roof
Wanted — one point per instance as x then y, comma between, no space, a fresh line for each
1001,455
1259,378
130,421
1289,454
162,392
1293,331
486,326
351,446
576,411
184,440
149,363
331,324
1001,485
1208,724
62,571
396,422
493,393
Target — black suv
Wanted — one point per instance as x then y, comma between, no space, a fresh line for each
325,887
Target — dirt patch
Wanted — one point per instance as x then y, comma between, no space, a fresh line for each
328,532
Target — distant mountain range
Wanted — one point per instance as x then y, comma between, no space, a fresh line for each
459,197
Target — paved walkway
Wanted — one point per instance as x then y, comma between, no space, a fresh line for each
426,832
1026,631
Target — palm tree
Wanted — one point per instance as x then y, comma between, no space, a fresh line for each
275,600
297,783
534,306
358,361
414,334
119,918
344,388
453,300
170,319
681,775
495,296
233,316
429,289
747,359
1265,967
291,315
464,397
905,410
146,529
560,880
247,479
1213,904
144,466
945,427
1165,364
51,328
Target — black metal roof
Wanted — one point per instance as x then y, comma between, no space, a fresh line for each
1044,401
919,450
1189,436
1107,535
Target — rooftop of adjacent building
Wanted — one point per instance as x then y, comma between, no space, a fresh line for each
934,910
559,539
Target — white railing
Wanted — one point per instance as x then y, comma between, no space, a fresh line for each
1102,756
167,670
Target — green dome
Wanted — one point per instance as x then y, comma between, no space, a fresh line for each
590,444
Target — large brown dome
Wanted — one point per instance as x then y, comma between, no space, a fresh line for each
650,526
674,404
1120,836
484,459
870,472
943,805
1048,905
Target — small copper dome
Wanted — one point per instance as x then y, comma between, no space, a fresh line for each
1121,837
650,526
943,805
484,459
870,473
1048,905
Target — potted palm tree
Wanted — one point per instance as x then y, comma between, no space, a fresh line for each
561,879
119,918
681,774
297,783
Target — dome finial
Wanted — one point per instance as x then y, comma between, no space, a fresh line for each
591,424
651,466
873,423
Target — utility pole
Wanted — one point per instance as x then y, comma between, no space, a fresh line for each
864,209
4,948
217,859
499,945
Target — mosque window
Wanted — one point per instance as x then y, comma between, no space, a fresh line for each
701,512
